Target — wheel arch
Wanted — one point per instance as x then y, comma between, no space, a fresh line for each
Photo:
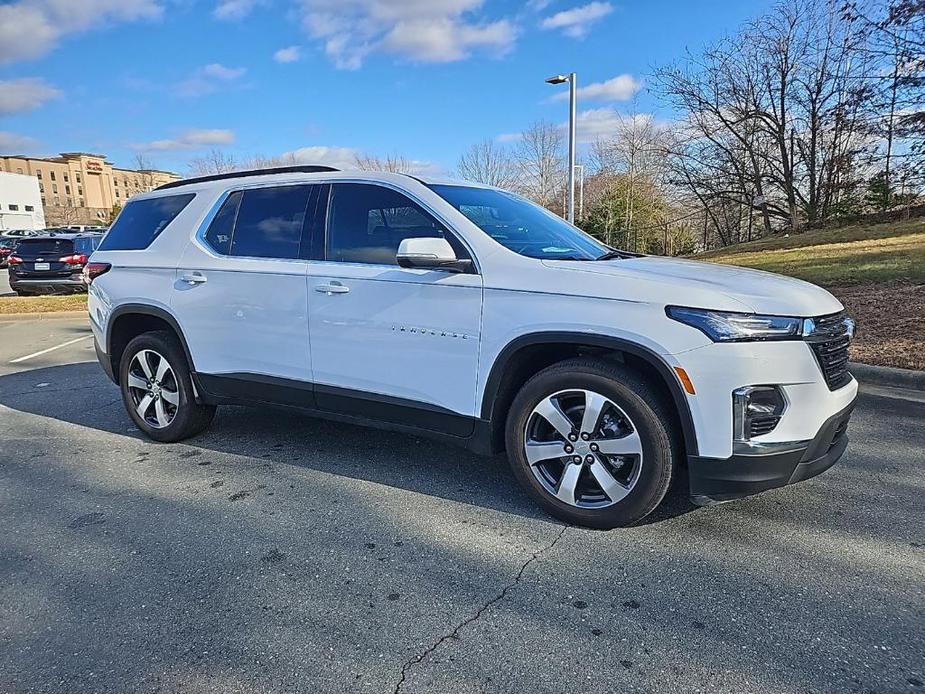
527,354
127,321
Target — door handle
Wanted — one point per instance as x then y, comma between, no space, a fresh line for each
194,278
333,288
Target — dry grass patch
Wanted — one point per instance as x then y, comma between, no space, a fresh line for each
42,304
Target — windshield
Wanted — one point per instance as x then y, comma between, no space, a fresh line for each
521,226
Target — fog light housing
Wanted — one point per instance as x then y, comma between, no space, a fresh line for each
756,410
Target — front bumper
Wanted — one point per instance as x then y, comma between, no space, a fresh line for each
721,479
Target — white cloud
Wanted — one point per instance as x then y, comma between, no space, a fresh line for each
509,137
31,28
287,55
233,9
577,21
619,88
605,123
351,158
26,94
209,78
430,31
189,139
19,144
338,157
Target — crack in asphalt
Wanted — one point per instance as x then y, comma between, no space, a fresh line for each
406,668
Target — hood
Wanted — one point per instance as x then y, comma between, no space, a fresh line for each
711,285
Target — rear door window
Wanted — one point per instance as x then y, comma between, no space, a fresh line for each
85,246
269,222
141,221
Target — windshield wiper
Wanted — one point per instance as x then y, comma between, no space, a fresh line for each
615,253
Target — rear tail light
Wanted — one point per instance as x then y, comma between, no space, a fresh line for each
94,270
14,260
73,259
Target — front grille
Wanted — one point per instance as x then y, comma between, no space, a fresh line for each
829,341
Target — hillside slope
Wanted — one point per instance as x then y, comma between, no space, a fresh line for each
876,271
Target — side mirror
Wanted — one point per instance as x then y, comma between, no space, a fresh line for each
434,253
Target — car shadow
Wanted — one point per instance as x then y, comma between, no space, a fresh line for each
81,394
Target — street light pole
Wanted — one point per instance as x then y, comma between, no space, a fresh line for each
571,78
572,99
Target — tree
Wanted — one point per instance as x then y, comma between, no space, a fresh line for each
393,163
489,163
145,171
541,164
215,161
773,118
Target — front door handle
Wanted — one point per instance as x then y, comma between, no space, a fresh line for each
333,288
193,278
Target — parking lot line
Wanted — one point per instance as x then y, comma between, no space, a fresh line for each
50,349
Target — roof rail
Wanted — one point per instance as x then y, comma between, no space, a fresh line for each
249,172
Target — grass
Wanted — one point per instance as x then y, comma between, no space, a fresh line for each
855,255
876,271
42,304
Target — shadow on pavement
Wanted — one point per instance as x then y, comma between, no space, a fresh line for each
81,394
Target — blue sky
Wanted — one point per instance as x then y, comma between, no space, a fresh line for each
418,78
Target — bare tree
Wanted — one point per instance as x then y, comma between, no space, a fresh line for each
393,163
145,170
541,164
215,161
773,118
489,163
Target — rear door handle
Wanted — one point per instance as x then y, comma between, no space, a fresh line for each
333,288
194,278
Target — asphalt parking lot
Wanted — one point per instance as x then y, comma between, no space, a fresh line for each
277,553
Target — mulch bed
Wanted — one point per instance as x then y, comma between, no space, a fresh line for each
891,323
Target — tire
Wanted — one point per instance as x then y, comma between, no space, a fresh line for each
168,404
616,475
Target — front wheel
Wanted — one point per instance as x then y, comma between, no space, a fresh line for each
157,389
590,441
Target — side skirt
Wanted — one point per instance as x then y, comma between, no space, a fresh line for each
349,406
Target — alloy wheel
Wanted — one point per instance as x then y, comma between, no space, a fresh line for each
153,387
583,448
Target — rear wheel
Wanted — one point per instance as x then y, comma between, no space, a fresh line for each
158,391
590,441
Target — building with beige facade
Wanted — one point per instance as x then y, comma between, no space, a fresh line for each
82,188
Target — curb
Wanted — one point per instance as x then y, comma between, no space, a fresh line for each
888,376
52,315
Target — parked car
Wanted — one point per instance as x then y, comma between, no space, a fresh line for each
19,233
51,264
469,314
7,246
82,228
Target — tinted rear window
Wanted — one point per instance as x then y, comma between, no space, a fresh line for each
269,223
141,221
37,247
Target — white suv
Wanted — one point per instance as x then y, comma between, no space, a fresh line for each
470,314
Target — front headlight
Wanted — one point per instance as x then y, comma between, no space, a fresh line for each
726,326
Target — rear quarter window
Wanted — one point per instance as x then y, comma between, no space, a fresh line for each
141,221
